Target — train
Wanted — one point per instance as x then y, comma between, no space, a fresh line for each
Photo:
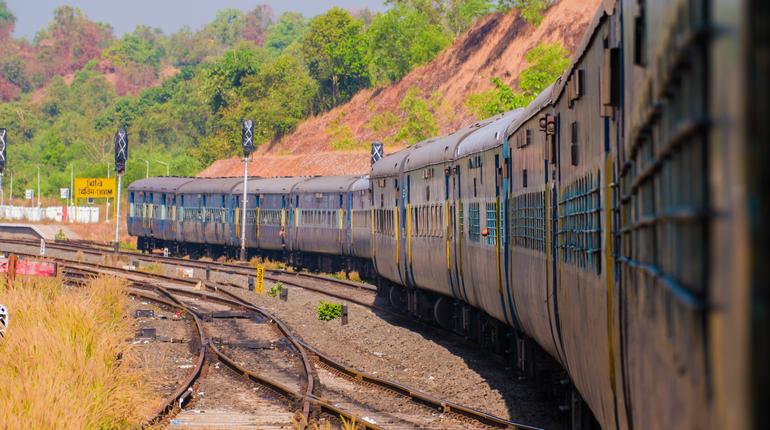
612,226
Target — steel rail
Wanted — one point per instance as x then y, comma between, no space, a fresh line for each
181,395
414,395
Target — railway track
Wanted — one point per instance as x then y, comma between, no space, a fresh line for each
335,389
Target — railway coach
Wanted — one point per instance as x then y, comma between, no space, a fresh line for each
612,226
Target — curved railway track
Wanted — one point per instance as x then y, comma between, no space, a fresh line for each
169,290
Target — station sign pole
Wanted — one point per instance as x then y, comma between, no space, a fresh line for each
121,156
247,140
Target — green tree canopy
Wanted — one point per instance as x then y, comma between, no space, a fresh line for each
289,28
335,50
7,19
401,39
228,26
143,46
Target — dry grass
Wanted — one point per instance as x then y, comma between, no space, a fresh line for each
58,362
270,264
352,276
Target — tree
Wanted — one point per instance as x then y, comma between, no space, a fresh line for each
7,20
256,24
401,39
70,41
530,10
289,28
335,51
223,76
143,46
461,14
228,26
185,48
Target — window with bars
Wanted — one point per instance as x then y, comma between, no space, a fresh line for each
491,238
580,223
270,217
474,230
528,221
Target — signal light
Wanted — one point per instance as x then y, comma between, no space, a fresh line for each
3,137
247,137
121,150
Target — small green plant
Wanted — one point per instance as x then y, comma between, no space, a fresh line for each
342,137
275,290
329,311
153,268
127,245
60,235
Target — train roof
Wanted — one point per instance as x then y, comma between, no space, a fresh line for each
390,165
543,99
361,183
488,136
162,184
326,184
440,149
209,185
282,185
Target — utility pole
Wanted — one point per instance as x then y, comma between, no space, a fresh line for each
247,140
72,184
38,185
146,172
121,156
107,203
163,163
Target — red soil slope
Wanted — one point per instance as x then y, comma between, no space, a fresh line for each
494,47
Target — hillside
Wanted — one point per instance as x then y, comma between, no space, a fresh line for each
494,47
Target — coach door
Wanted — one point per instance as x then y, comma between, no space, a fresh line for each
553,138
456,260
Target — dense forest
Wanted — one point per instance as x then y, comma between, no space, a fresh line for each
182,96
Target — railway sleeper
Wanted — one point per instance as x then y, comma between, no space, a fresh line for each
521,353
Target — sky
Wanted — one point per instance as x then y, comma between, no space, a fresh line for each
169,15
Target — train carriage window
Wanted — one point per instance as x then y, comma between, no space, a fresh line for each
524,178
427,193
473,222
490,239
528,141
574,140
640,36
475,194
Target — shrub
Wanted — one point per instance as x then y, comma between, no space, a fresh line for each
546,62
275,290
60,235
329,311
419,123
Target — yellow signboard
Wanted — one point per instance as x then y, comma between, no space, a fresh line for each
97,188
261,279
